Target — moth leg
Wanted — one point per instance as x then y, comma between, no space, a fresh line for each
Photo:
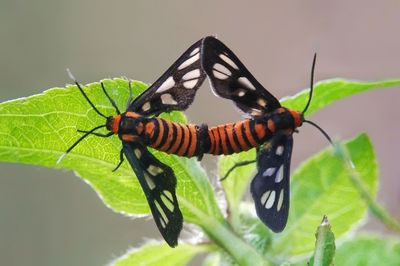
121,160
239,164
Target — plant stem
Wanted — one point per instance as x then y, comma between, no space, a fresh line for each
222,234
376,209
324,246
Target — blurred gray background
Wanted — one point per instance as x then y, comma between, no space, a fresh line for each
50,217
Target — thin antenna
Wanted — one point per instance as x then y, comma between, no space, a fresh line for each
130,94
79,140
309,101
110,99
320,129
311,83
83,93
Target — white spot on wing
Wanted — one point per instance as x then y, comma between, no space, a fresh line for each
264,197
167,203
149,181
168,84
219,75
270,200
255,112
168,195
222,69
146,106
191,74
228,61
195,51
262,102
269,172
279,175
154,170
241,93
244,81
279,150
167,99
280,200
138,153
189,61
161,211
162,223
190,84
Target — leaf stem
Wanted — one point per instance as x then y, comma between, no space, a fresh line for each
222,234
376,209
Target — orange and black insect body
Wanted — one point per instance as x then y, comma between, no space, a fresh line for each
176,138
251,133
170,137
139,127
269,129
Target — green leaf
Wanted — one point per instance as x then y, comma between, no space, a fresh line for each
324,246
38,129
374,207
368,250
252,229
321,186
160,254
328,91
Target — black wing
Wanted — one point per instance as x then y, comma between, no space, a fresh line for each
230,79
270,186
158,183
176,88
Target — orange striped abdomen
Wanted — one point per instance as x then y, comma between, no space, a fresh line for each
171,137
237,137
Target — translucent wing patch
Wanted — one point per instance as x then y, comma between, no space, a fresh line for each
158,183
176,88
230,79
270,186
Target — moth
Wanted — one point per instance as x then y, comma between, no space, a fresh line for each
270,129
139,127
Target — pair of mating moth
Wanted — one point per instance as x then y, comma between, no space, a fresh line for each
269,129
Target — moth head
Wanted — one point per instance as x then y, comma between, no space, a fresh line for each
112,123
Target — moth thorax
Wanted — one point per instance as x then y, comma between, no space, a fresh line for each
112,123
298,118
131,125
287,120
